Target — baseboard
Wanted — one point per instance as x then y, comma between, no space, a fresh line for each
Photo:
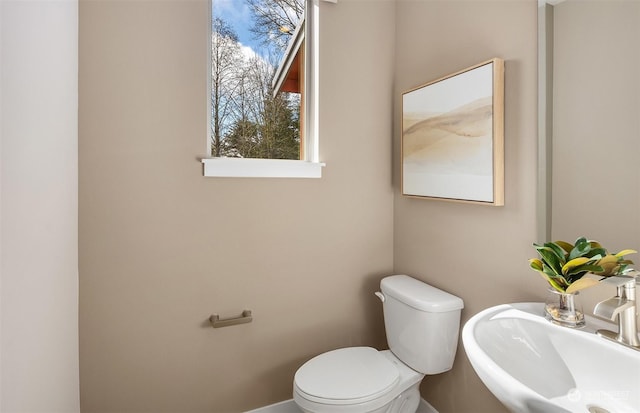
425,407
289,406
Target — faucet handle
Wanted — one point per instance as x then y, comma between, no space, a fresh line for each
611,308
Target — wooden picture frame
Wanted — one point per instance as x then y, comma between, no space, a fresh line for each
453,137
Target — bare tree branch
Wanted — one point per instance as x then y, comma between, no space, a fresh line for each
275,20
225,57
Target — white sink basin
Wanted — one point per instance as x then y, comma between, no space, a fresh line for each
532,365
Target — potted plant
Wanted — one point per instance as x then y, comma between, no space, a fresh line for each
564,266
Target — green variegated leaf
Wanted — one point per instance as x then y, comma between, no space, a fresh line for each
596,252
581,284
556,285
565,246
574,263
607,259
609,264
585,268
552,282
550,258
626,252
558,251
536,264
578,252
581,242
594,244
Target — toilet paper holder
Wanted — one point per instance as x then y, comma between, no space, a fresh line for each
244,318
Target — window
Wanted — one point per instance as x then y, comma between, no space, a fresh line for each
263,83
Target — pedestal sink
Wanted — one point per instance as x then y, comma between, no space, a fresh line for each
532,365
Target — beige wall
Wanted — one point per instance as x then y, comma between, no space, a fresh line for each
162,248
596,135
476,252
38,205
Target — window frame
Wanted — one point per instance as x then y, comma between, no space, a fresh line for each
308,167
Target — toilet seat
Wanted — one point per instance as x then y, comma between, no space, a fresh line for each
346,376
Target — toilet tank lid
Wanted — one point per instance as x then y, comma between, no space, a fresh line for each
419,295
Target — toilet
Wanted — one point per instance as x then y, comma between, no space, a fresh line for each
422,325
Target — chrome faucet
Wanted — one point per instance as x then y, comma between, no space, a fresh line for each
623,306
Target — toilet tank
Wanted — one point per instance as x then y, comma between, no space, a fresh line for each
422,323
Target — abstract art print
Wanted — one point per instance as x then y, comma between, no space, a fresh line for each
453,136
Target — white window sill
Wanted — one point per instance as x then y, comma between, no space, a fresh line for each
261,168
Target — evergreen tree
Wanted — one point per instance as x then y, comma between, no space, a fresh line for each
242,141
280,130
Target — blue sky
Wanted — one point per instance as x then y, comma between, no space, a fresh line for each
237,14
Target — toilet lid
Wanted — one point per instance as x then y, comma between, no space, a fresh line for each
347,375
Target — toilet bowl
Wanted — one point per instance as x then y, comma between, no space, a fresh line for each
422,325
357,380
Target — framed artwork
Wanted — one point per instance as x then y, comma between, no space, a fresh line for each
453,136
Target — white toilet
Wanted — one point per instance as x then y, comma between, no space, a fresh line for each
422,325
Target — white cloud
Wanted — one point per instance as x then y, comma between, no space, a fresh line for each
232,10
